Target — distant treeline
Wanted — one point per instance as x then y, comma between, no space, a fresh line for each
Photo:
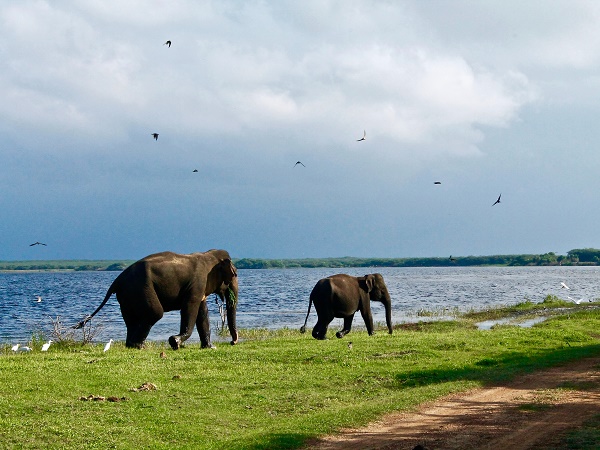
63,265
576,257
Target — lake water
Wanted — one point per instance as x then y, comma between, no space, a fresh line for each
279,298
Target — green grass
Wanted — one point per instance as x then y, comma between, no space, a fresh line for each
275,389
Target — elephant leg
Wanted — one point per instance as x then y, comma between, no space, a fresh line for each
189,313
137,334
365,312
138,321
347,326
203,326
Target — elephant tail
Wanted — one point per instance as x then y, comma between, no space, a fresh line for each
111,291
303,327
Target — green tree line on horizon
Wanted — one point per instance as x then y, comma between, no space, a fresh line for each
575,257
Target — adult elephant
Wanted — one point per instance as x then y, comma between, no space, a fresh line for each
341,296
169,281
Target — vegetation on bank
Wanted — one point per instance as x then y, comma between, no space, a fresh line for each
580,257
273,390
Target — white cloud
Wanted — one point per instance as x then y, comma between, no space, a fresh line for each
68,71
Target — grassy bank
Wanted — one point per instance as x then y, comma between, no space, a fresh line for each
273,390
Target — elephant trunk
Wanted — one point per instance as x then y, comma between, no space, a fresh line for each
231,297
388,313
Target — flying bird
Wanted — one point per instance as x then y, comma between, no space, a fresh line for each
37,243
155,136
107,346
299,162
564,286
364,136
195,170
437,182
46,346
39,299
15,347
168,43
577,302
497,201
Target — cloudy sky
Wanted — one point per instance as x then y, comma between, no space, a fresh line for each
488,98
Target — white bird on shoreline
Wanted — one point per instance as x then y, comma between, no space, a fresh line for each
107,346
15,347
46,346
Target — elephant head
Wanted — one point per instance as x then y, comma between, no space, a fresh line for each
226,274
377,290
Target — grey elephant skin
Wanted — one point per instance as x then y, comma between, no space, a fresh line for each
170,281
341,296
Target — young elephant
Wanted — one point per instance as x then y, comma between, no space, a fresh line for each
169,281
341,296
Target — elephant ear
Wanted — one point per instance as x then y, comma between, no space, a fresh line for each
228,269
366,283
370,280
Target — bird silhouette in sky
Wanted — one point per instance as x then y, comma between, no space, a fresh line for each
195,170
168,43
364,136
497,201
299,162
37,243
155,136
437,182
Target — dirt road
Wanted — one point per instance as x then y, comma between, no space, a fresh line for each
530,412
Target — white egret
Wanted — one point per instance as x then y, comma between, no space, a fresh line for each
39,299
46,346
564,286
577,302
15,347
24,349
107,346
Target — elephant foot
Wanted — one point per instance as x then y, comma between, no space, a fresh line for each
340,334
138,345
175,342
302,329
209,345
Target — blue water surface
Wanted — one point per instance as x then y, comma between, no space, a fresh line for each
278,298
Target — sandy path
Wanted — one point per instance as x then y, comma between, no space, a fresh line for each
529,412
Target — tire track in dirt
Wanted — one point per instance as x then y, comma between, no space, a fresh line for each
530,412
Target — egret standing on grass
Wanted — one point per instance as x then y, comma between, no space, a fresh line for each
24,349
107,346
15,347
46,346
